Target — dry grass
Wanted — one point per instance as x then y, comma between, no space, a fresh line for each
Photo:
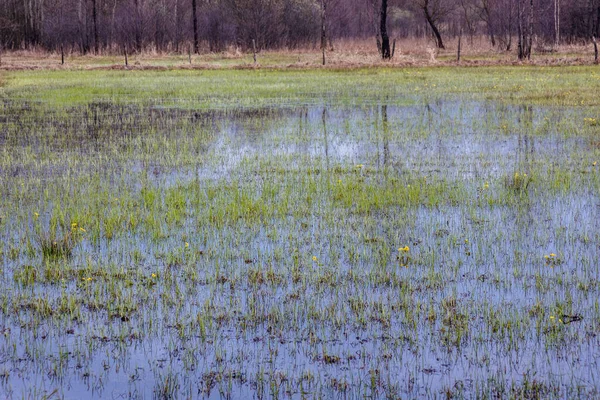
416,52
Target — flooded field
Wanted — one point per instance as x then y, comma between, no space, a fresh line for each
384,247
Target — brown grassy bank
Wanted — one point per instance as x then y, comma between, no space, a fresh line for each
345,54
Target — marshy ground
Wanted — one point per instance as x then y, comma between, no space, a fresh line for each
380,233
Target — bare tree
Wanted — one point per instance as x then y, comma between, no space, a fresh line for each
598,20
195,22
112,40
303,23
385,40
469,17
510,25
521,39
434,11
485,13
99,25
525,29
323,28
82,27
530,23
260,20
556,22
34,19
138,23
95,18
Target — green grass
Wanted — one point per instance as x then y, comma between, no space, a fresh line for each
279,233
563,86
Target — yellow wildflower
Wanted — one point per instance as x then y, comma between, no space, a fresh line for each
314,258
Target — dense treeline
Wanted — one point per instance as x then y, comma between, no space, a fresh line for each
212,25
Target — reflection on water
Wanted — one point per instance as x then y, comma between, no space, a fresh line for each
245,310
447,138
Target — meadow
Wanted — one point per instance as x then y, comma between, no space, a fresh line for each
300,233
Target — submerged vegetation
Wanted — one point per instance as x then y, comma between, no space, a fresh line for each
383,233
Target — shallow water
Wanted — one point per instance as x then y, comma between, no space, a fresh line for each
243,310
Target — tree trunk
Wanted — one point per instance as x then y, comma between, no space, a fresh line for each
489,24
556,22
510,27
39,20
138,26
35,21
436,32
385,40
195,21
95,17
82,28
598,22
323,28
438,36
491,33
459,46
520,45
590,14
30,23
112,24
525,34
530,39
176,20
